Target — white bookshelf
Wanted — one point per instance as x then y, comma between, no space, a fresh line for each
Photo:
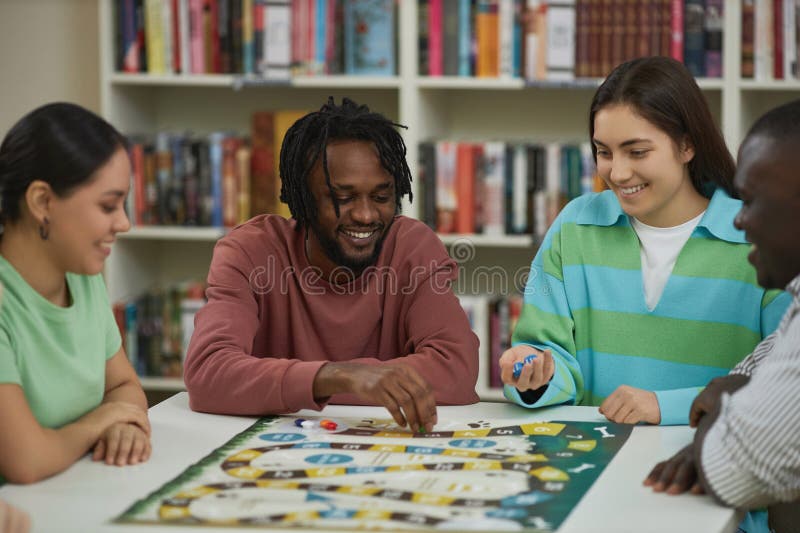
433,107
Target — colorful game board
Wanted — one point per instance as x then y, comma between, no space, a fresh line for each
371,474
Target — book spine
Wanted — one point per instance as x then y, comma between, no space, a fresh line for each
154,32
450,37
278,39
465,189
423,40
763,57
464,37
561,40
215,164
248,49
714,25
777,39
258,37
790,39
177,65
676,43
446,195
748,39
505,39
486,30
243,156
436,37
693,41
519,199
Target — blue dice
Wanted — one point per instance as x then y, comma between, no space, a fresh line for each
518,365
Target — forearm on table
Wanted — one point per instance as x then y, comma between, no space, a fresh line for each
230,381
45,452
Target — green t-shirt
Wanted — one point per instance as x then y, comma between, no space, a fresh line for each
57,354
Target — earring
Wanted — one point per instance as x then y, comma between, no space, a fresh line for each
44,230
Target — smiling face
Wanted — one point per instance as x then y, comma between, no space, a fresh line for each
84,223
645,168
365,192
769,186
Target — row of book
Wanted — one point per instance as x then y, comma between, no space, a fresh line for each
565,39
273,39
497,188
156,327
493,319
216,180
770,39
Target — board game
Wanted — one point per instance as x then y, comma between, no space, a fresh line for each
350,473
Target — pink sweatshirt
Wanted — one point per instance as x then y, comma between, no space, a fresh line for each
271,322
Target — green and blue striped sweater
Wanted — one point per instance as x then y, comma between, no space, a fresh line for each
584,300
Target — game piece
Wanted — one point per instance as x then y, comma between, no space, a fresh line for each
308,424
299,422
518,365
328,424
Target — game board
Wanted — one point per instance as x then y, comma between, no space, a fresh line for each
371,474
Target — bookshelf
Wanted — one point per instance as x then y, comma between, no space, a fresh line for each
470,109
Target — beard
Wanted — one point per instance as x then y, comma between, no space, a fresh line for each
334,251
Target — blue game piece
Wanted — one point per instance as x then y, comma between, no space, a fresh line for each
518,365
299,422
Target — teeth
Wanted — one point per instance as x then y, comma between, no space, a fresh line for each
359,235
631,190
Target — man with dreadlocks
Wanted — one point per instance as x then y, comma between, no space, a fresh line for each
346,302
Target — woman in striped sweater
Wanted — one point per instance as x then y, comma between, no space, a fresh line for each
641,294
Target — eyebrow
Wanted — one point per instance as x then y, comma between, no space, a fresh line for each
624,143
117,193
382,187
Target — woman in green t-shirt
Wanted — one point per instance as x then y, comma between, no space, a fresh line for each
66,386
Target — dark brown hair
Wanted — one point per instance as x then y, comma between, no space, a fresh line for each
61,144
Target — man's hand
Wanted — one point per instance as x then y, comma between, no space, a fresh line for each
13,520
396,386
629,405
676,475
122,444
534,374
708,400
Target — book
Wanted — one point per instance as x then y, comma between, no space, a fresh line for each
369,37
561,39
283,120
262,163
714,24
277,40
486,36
694,38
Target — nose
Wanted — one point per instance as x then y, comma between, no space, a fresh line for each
122,223
364,212
738,221
620,171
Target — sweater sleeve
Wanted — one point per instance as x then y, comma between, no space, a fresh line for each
675,404
546,322
221,373
441,345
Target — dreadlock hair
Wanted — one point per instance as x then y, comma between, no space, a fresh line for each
308,139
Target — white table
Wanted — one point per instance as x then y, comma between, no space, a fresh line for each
86,497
